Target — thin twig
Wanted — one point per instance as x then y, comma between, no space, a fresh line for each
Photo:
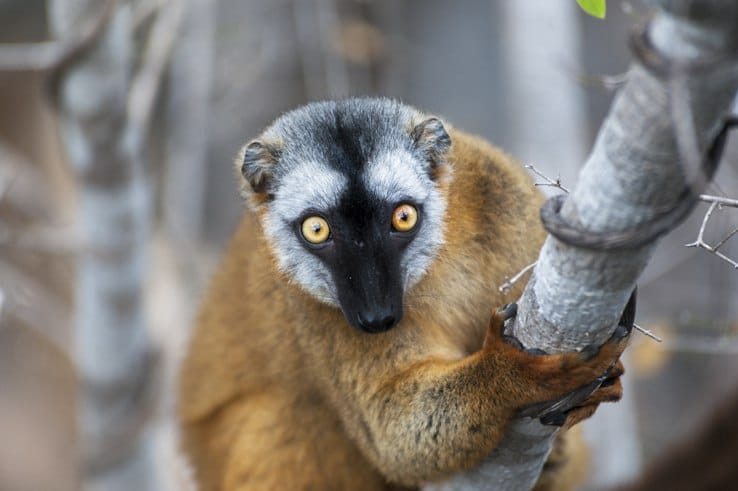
725,239
700,242
646,332
705,219
708,198
505,287
548,181
716,202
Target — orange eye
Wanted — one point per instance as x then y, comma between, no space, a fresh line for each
315,230
404,218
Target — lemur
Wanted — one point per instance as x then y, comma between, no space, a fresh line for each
348,339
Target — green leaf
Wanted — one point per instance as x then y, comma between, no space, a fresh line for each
595,8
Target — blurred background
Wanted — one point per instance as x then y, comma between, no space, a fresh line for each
118,125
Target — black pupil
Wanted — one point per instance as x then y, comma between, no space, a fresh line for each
316,227
404,215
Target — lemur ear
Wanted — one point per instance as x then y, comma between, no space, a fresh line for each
257,165
432,141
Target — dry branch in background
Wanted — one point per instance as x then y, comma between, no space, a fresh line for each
105,101
633,180
24,196
716,202
50,54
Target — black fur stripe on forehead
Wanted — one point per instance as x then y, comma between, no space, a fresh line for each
347,133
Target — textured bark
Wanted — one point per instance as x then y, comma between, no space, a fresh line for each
637,170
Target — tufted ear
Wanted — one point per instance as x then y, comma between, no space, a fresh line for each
257,165
432,141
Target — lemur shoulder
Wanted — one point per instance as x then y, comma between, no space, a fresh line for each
349,339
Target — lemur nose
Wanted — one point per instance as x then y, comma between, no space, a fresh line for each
377,322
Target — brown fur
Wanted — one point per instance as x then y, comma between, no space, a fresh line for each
279,392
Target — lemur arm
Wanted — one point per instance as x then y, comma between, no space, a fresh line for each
436,417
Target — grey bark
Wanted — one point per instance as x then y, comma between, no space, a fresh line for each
635,171
539,71
112,348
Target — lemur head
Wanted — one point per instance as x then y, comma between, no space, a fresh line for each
349,195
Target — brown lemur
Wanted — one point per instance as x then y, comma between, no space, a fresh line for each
348,339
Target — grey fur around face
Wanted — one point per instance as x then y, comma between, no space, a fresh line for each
342,155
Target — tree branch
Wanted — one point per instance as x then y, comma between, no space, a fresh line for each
633,175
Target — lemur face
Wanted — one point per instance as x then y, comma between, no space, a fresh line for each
350,202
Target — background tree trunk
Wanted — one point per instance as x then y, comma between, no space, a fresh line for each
114,357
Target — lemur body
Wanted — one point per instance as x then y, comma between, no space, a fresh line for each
346,341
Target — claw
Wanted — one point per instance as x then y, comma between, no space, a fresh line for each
535,351
556,418
608,382
509,311
628,316
590,351
513,341
620,332
562,404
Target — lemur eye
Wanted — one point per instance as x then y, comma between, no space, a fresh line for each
315,230
404,218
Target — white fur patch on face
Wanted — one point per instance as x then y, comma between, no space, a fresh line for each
396,176
308,186
393,176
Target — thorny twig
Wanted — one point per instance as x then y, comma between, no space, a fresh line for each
700,242
647,333
715,202
548,181
708,198
505,287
